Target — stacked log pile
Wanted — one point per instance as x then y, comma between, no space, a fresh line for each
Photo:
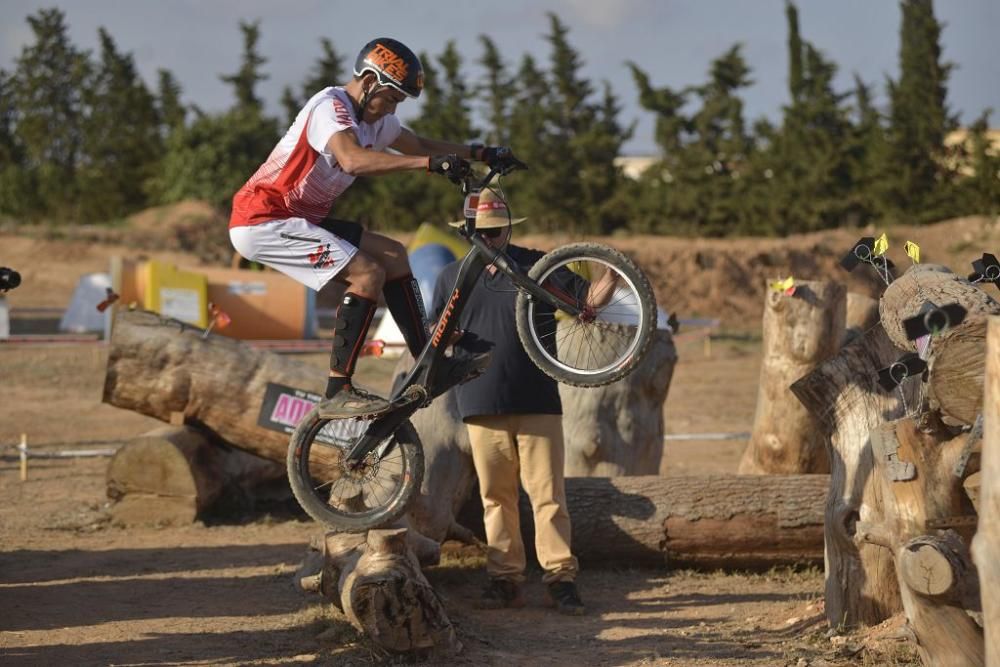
901,512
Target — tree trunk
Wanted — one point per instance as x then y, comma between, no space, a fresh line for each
158,366
800,331
375,579
986,545
617,429
844,396
862,315
939,585
957,355
705,521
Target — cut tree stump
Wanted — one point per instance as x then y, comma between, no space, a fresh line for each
938,583
800,331
617,429
375,579
986,545
843,394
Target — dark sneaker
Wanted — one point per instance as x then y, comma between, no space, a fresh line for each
564,597
456,370
501,594
352,402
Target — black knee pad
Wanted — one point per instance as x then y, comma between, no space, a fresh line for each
354,316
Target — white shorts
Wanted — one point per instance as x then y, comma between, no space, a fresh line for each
303,251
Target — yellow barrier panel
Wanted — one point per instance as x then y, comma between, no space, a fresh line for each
182,295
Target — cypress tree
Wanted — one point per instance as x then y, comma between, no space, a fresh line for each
919,119
172,112
245,80
327,71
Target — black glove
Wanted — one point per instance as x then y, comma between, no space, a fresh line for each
9,279
452,166
501,158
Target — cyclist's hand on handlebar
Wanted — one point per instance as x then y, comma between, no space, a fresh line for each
452,166
501,158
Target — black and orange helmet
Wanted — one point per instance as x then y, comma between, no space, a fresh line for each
393,64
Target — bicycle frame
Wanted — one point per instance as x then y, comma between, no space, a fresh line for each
424,371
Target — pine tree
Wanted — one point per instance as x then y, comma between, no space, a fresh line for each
121,145
919,119
211,158
17,186
245,81
172,112
497,89
45,90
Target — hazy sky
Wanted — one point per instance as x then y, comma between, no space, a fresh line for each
673,40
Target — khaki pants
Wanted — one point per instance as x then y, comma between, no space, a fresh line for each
504,448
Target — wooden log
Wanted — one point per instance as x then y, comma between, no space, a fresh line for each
164,477
800,331
843,394
617,429
375,579
720,521
957,355
939,589
158,366
986,545
171,475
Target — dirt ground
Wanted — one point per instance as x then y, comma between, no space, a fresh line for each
75,589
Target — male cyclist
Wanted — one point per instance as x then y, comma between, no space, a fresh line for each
280,218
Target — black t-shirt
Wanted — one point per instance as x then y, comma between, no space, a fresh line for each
512,384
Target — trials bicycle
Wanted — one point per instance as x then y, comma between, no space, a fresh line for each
585,315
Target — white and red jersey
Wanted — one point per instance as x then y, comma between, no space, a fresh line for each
301,178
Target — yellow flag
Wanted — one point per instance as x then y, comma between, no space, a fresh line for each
783,285
912,251
881,245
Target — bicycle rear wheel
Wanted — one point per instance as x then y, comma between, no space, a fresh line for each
352,500
608,338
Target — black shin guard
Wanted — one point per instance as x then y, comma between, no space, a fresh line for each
353,319
402,298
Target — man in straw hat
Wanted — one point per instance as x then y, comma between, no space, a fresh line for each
514,418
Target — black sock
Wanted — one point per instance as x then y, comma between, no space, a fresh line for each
335,383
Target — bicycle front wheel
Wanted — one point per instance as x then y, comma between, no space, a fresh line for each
615,324
347,498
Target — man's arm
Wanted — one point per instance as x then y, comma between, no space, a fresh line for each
357,160
412,144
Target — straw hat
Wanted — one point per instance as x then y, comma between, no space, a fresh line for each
491,212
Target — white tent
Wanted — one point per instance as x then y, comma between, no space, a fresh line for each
82,315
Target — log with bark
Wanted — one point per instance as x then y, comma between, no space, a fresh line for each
800,331
376,580
986,545
844,395
171,475
158,366
715,521
956,356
